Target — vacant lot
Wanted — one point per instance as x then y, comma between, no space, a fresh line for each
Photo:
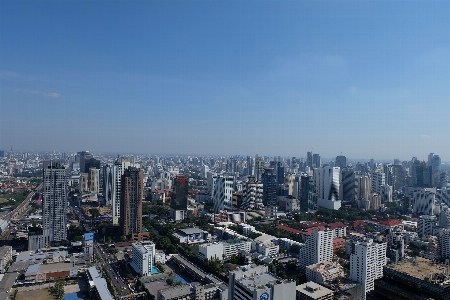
41,294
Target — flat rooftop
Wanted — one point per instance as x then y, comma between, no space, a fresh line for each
258,281
176,292
189,231
57,267
313,290
419,267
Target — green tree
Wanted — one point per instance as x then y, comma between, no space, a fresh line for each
94,212
169,281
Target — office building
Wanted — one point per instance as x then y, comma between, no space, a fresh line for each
36,238
324,273
424,202
259,169
316,163
341,162
269,181
366,263
143,256
349,185
131,201
424,175
327,182
54,203
318,248
256,283
94,180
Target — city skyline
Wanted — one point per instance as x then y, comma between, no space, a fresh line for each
365,79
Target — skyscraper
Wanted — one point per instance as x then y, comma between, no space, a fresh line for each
341,161
117,171
54,204
222,193
316,161
180,193
131,201
269,181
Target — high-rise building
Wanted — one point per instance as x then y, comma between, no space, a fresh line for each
424,202
131,195
82,156
180,193
341,162
119,167
309,159
327,182
259,168
306,191
366,263
94,180
316,163
378,180
426,225
252,195
2,153
349,184
54,203
222,193
108,184
250,166
424,175
444,243
269,181
318,248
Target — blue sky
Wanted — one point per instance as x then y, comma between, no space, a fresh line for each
365,78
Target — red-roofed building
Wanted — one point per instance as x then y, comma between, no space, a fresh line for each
358,225
339,229
288,229
391,224
307,232
310,224
338,243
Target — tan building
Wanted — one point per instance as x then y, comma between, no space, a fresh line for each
324,273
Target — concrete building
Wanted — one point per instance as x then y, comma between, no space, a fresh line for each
222,193
324,273
415,278
252,195
318,248
426,225
349,185
269,181
54,204
118,169
143,256
223,250
366,263
378,180
5,257
327,183
255,283
36,238
179,200
424,202
131,202
313,291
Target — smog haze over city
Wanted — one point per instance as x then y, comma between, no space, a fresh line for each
368,79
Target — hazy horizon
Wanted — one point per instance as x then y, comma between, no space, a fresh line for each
276,78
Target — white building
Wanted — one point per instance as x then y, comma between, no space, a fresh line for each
426,225
143,254
288,243
255,283
252,195
318,248
378,180
5,257
444,243
222,193
210,251
424,202
366,263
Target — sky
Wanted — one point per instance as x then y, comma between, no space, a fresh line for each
368,79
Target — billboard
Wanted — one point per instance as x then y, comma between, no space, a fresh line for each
89,236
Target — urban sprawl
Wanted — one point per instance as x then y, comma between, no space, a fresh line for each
167,227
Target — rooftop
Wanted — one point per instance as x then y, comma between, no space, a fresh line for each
390,222
57,267
175,292
420,268
189,231
313,290
336,225
259,281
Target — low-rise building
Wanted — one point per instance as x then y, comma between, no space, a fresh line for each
324,273
313,291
